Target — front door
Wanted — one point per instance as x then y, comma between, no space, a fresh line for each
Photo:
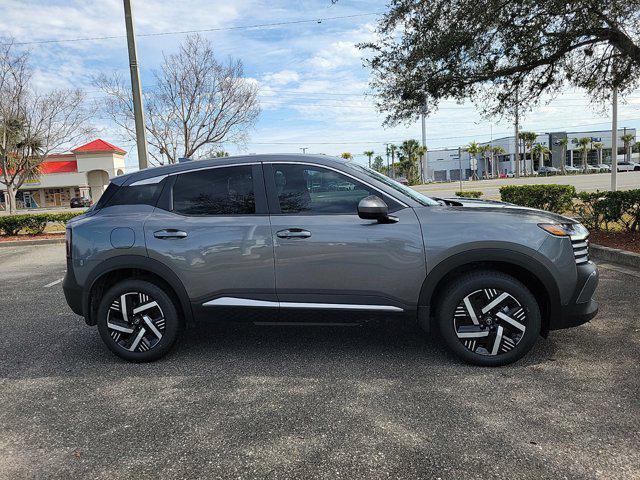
214,233
327,257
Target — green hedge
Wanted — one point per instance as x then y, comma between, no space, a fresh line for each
554,198
33,223
469,194
603,210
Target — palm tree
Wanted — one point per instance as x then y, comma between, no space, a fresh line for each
495,151
541,151
485,150
378,164
563,142
473,149
627,139
584,145
346,155
598,146
410,153
529,139
369,154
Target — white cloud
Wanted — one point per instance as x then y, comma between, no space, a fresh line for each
283,77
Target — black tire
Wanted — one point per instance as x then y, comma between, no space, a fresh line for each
487,339
120,330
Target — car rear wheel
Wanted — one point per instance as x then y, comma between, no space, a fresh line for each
488,318
138,321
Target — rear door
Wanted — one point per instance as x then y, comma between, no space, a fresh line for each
212,229
327,257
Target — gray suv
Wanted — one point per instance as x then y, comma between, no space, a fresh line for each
317,239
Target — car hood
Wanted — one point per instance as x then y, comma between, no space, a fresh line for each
486,206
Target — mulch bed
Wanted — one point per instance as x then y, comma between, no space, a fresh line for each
629,241
42,236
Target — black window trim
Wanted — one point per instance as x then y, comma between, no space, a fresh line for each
258,190
274,203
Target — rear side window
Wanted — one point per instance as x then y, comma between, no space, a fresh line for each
112,188
216,191
136,195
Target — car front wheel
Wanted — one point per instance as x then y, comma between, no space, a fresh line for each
488,318
138,321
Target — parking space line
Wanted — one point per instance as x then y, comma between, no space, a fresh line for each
48,285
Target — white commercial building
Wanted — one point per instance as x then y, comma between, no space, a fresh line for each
445,165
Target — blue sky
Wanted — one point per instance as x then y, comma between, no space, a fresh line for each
312,83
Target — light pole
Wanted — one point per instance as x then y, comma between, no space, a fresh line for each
460,165
425,161
614,141
136,88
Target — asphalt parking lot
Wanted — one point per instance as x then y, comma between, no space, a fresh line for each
374,401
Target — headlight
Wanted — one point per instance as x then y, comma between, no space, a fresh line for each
565,229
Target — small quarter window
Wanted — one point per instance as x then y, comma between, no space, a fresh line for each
135,195
215,191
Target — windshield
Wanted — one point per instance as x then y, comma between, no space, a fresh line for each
409,192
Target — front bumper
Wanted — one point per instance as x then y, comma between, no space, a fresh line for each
582,307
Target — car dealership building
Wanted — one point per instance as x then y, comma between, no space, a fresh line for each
84,172
444,165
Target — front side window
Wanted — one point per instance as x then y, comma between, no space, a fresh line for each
307,189
216,191
408,191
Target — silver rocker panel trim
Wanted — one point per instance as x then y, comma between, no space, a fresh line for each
247,302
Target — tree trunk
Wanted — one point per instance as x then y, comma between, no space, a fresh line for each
11,196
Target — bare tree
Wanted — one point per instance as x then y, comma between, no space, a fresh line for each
196,104
33,124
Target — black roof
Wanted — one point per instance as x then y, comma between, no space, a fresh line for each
197,164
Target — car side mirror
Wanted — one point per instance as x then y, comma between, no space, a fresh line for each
374,208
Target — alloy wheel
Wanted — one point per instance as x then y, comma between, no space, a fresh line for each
490,322
136,322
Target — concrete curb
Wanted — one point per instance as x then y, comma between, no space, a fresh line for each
25,243
614,255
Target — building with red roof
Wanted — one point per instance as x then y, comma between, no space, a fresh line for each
85,172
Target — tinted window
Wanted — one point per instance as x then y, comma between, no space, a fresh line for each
217,191
316,190
106,196
135,195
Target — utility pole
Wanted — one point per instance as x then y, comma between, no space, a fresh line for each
460,165
136,88
304,150
425,161
517,140
614,141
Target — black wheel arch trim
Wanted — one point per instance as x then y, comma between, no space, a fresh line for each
138,262
531,261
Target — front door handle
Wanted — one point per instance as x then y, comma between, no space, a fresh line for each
293,233
169,233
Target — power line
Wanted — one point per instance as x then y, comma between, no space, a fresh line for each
203,30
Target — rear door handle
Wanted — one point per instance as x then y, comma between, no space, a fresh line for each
293,233
169,233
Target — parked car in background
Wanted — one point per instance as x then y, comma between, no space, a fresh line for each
247,239
569,169
628,166
604,167
593,168
544,170
80,202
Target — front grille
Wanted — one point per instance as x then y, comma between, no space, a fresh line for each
580,246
